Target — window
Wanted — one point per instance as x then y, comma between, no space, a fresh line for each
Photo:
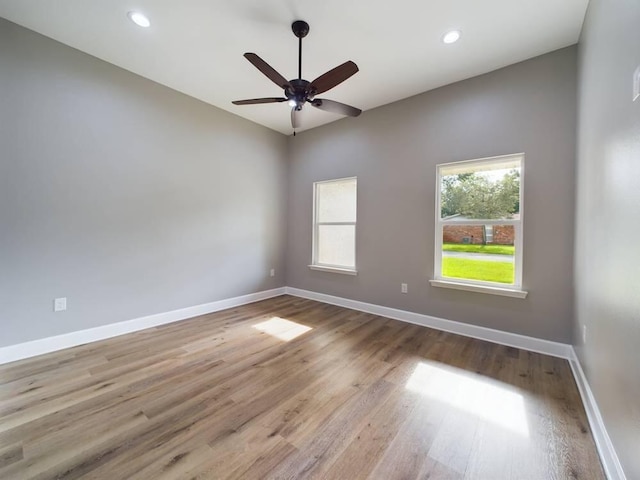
478,244
334,225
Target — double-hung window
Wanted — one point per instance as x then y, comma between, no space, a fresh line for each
334,225
478,244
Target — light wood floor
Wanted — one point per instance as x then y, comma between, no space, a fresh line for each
356,396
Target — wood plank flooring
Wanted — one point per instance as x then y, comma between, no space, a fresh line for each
287,389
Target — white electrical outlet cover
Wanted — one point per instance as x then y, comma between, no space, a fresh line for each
60,304
636,84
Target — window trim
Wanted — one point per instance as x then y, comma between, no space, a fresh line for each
325,267
513,290
505,292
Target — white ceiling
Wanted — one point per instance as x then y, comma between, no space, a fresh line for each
196,46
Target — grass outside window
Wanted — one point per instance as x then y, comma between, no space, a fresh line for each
484,270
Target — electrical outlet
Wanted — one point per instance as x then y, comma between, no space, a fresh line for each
272,272
59,304
584,334
403,288
636,84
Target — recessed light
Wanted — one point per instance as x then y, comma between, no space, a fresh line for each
139,19
451,36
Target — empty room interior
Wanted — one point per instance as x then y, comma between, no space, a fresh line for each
284,239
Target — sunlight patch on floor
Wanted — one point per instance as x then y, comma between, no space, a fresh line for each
281,328
471,393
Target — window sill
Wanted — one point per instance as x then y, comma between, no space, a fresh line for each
344,271
505,292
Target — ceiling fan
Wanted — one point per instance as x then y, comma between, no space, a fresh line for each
298,91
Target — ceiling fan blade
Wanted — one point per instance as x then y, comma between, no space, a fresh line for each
295,120
268,70
253,101
336,107
333,77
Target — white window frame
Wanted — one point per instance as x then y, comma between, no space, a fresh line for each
510,290
315,265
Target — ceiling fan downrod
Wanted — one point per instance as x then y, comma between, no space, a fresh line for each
300,29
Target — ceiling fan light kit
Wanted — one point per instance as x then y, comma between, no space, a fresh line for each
299,91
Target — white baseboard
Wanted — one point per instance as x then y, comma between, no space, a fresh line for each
610,462
45,345
20,351
524,342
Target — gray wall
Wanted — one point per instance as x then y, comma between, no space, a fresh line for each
124,196
393,150
607,261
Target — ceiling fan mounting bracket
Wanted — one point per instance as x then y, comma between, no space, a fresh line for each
300,28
